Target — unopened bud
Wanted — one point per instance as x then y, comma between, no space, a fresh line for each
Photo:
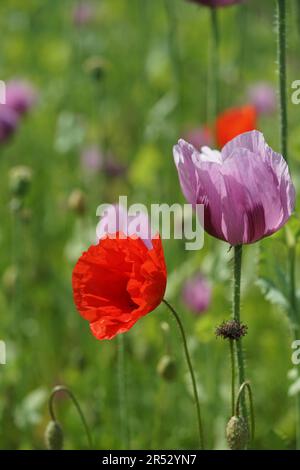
77,201
96,67
166,368
237,433
20,179
54,436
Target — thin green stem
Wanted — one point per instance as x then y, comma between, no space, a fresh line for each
281,33
247,386
174,51
122,391
281,57
231,344
215,66
62,388
191,370
297,399
236,306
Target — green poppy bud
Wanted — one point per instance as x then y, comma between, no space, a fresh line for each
166,368
54,437
237,433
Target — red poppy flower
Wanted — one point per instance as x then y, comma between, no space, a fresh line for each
233,122
117,282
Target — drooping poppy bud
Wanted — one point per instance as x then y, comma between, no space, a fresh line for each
54,437
237,433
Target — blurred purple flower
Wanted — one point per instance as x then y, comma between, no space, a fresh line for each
91,159
216,3
246,188
20,96
196,293
9,120
199,137
263,96
113,167
82,13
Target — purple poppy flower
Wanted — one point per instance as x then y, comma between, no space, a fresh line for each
8,122
82,13
263,97
199,137
246,188
216,3
196,293
91,159
20,96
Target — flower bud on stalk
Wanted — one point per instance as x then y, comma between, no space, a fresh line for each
166,368
237,433
54,436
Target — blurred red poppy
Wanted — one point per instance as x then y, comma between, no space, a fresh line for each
117,282
235,121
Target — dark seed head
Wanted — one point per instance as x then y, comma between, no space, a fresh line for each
231,329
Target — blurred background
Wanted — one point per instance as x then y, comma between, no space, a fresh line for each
100,91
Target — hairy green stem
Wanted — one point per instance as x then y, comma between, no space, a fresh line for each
62,388
247,386
191,370
231,344
236,303
281,57
174,51
215,66
281,34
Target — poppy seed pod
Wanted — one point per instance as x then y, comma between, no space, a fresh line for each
54,437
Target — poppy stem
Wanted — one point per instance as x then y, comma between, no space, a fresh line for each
281,57
231,344
215,66
281,33
122,390
246,385
62,388
174,51
191,370
236,307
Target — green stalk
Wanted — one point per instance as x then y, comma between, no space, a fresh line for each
59,389
281,57
191,370
236,306
281,34
174,53
215,66
122,392
231,344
